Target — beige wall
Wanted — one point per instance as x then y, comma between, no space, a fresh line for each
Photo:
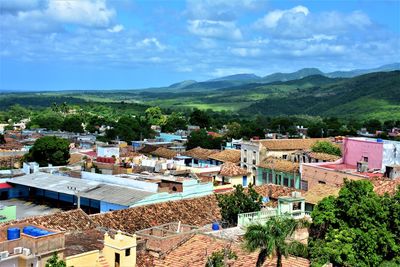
119,244
88,259
315,174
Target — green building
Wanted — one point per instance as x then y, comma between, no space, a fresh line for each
279,172
8,213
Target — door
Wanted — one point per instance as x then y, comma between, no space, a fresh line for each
117,260
244,180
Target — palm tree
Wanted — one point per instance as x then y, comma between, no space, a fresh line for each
270,238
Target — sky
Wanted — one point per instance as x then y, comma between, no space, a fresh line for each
128,44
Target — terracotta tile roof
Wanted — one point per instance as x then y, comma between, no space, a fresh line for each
75,158
275,191
385,185
164,153
8,160
279,165
11,144
228,155
289,144
196,250
196,211
320,191
323,156
200,153
128,152
63,221
83,241
147,149
231,169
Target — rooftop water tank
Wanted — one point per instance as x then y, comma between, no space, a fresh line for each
28,230
13,233
215,226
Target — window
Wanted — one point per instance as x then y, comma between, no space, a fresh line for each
127,252
264,178
254,161
293,182
270,179
365,159
286,181
284,156
321,182
304,185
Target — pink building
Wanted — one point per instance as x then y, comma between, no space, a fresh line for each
363,149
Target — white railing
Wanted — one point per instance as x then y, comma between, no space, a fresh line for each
262,216
256,217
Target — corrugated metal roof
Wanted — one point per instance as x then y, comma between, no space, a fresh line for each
89,189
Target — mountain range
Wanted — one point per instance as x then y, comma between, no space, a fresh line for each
245,78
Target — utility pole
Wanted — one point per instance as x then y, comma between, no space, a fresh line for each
77,194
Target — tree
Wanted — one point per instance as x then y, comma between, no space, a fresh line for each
17,113
200,118
238,202
49,150
155,116
234,130
373,125
357,228
271,238
175,121
50,121
55,262
202,139
130,128
73,124
326,147
218,258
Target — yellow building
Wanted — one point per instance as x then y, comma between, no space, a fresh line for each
230,175
118,251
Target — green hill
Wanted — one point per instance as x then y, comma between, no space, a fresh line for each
375,95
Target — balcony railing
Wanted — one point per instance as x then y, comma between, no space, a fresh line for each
262,216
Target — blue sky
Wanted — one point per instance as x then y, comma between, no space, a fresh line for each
126,44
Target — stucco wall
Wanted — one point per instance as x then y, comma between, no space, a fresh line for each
356,149
315,174
84,259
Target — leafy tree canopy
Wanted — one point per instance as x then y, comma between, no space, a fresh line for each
155,116
175,121
217,258
73,124
203,139
49,150
238,202
200,118
357,228
54,261
326,147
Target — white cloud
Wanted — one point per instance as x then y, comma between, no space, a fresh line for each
300,22
15,6
244,52
272,18
215,29
84,12
224,10
116,28
151,43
